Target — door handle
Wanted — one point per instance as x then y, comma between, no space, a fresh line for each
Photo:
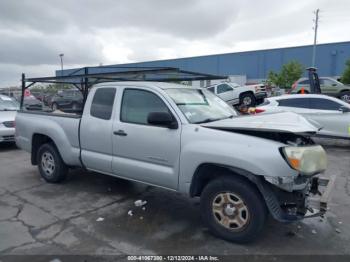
120,133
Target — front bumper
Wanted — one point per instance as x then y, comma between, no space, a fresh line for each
7,134
311,201
260,95
319,199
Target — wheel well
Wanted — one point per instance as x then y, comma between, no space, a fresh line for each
37,141
208,172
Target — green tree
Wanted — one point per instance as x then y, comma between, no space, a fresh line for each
290,73
346,74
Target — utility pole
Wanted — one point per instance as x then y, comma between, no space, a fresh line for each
315,37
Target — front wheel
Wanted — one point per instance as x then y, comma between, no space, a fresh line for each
233,209
247,99
50,164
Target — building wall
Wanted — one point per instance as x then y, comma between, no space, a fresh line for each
255,65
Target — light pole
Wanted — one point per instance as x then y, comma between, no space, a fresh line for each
61,57
315,37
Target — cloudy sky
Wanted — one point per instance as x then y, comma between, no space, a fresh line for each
90,32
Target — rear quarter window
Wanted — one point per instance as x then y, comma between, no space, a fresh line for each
102,103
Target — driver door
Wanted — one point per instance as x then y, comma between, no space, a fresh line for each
141,151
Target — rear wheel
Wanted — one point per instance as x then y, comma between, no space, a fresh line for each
247,99
54,106
233,209
345,96
50,164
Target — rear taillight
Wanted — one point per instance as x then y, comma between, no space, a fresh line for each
259,110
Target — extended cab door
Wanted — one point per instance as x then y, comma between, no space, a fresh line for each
96,129
141,151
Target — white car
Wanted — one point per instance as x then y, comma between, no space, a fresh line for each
8,108
332,114
234,94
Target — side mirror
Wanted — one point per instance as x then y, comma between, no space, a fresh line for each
163,119
344,109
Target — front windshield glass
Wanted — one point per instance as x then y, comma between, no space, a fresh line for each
7,104
200,105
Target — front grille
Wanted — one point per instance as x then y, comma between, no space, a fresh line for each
9,124
8,138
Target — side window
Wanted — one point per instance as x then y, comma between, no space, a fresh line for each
323,104
294,102
212,89
304,82
137,104
328,82
102,103
223,88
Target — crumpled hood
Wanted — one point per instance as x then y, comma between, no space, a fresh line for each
285,122
7,116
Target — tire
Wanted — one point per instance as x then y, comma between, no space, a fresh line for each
54,106
345,96
247,99
50,164
75,106
248,215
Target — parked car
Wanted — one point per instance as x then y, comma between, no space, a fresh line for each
332,114
234,94
329,86
190,141
8,108
67,99
31,103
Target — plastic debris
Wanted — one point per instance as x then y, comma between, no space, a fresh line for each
337,230
340,222
100,219
143,208
140,203
313,231
130,213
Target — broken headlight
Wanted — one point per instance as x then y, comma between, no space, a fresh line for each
308,160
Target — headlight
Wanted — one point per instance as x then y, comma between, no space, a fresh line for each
307,160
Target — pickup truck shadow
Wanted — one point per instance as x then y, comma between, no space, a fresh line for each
170,223
4,147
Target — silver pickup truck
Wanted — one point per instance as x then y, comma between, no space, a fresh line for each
187,140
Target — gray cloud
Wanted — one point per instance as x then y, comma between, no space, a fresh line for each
34,32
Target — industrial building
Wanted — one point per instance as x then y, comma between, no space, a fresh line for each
254,66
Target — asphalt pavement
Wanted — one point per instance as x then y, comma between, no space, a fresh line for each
88,215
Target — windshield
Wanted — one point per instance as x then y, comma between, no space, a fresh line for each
200,105
7,104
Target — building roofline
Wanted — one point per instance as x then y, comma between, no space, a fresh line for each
231,53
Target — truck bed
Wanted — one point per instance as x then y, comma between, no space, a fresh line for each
62,128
